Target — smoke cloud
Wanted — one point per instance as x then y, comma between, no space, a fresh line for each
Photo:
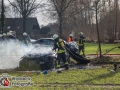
11,53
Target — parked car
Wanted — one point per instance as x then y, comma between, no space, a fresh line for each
45,41
32,40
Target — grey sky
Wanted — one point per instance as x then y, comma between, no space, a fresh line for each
42,19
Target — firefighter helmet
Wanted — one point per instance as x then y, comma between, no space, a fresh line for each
71,35
24,34
55,36
8,33
1,35
81,33
4,34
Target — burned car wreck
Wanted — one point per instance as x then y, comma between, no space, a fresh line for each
41,56
38,61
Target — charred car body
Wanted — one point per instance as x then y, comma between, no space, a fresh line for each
43,57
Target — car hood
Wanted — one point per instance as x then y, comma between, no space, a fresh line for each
41,50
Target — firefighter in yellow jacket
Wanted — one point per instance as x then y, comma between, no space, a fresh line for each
81,43
59,46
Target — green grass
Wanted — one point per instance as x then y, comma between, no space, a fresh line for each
73,87
78,79
88,79
92,48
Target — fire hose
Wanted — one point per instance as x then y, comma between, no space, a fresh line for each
107,52
74,54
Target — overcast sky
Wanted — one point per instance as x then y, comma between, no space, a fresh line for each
42,18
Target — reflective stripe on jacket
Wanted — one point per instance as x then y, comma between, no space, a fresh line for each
81,41
60,46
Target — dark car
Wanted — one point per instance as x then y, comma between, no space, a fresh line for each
45,41
42,56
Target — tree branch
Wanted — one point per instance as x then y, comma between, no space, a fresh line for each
14,6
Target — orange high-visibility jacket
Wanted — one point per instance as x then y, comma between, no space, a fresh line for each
69,39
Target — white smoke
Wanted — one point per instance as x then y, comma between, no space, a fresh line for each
12,51
41,49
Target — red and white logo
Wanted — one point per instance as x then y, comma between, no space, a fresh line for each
6,82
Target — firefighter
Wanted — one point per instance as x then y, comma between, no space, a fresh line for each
81,43
1,38
70,38
4,40
10,36
59,46
13,41
3,46
13,33
26,38
1,41
4,36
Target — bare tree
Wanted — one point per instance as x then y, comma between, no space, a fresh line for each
116,17
60,7
85,15
11,12
110,20
0,7
25,8
96,7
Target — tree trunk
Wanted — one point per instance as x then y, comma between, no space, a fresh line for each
119,35
116,4
24,23
98,32
60,25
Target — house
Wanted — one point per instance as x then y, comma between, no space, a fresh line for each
16,24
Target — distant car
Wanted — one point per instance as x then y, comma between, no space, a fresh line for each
32,40
44,41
